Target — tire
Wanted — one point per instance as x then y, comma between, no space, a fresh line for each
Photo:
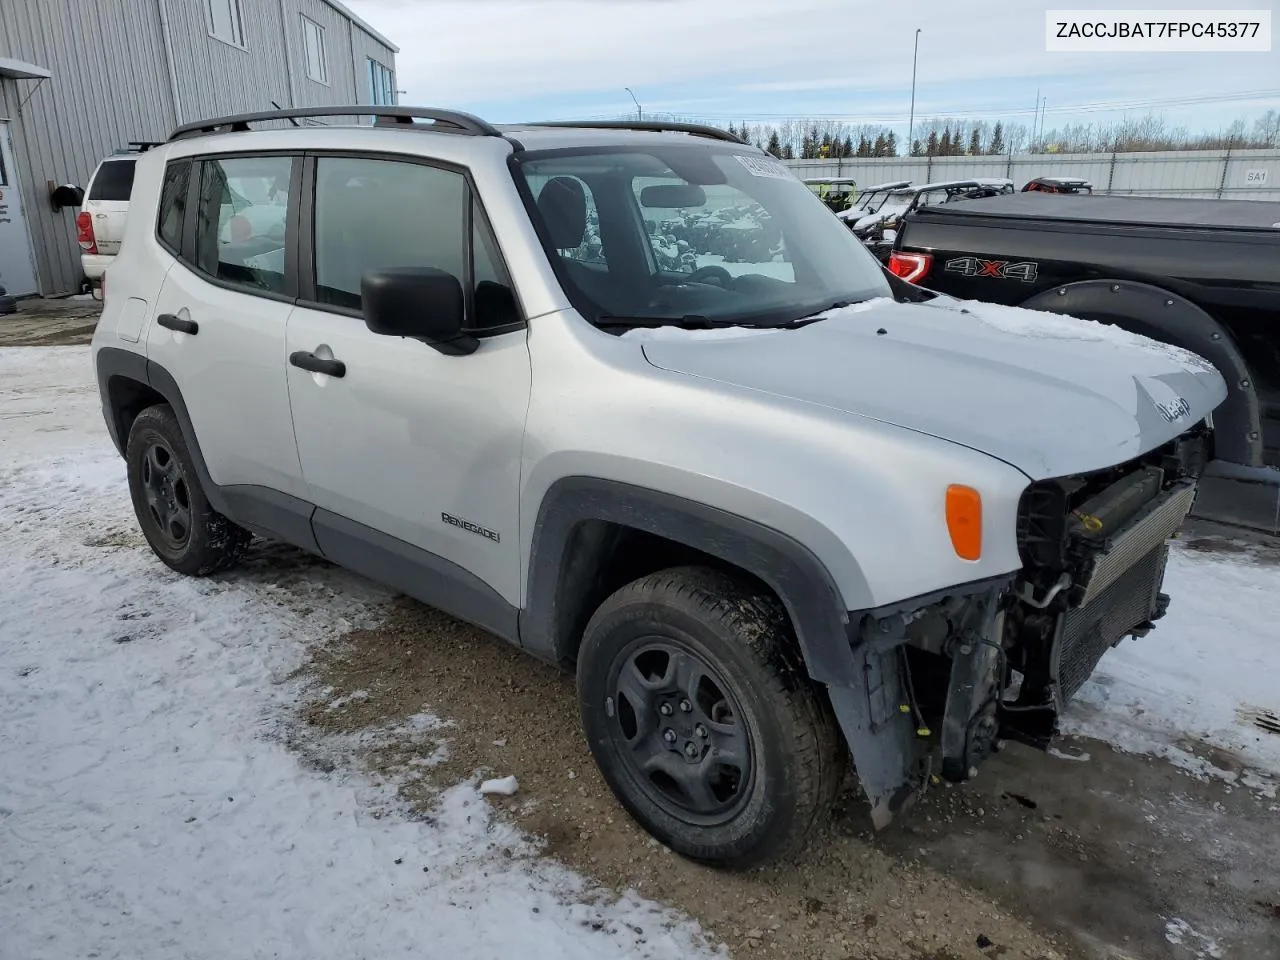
182,528
756,758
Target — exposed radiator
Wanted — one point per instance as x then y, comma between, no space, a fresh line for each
1089,631
1122,591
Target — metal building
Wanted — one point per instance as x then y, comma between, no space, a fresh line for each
81,79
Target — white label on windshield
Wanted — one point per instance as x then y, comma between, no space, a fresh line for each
763,167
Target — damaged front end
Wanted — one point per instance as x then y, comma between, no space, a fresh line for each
943,679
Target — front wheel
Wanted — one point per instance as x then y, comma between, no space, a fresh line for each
702,719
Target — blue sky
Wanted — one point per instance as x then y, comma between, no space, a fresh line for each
769,60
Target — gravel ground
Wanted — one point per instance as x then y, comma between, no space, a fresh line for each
50,323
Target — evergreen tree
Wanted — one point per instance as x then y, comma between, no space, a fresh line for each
917,148
775,147
878,149
787,152
997,140
931,144
975,143
864,146
846,149
733,131
944,144
806,148
891,144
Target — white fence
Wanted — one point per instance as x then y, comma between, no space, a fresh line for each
1221,174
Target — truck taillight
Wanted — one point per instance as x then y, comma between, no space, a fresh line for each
911,267
84,233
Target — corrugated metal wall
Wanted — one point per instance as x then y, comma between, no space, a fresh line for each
1186,173
342,86
111,84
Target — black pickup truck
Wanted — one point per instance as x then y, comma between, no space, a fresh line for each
1201,274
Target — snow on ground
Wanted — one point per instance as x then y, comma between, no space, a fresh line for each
148,806
1202,678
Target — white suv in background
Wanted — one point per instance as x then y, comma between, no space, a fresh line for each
100,222
629,396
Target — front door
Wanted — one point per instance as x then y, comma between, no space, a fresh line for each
17,266
410,450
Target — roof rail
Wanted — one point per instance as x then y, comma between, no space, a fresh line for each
450,121
658,126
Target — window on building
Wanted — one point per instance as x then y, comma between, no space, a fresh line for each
244,207
173,204
313,43
225,22
382,84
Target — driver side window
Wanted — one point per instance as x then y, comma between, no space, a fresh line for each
729,230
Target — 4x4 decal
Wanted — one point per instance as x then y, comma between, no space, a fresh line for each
1024,270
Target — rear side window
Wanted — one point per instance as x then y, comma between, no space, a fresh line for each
241,221
173,204
113,182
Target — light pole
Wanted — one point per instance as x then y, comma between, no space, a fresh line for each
639,112
911,123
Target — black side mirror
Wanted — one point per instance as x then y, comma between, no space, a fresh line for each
419,302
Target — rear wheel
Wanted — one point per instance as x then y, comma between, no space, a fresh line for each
182,528
702,719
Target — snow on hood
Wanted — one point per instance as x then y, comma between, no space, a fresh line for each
1061,326
1051,395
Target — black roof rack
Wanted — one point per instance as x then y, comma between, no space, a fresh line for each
449,121
658,126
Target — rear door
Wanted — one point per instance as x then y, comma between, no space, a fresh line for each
107,202
219,325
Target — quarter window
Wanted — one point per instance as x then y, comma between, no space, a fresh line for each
313,43
225,22
244,207
173,204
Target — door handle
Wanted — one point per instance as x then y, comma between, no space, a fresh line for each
309,361
172,322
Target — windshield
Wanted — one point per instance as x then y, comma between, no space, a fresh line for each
672,232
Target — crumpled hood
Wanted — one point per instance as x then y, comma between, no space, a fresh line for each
1049,394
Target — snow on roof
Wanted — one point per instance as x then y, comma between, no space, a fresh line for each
891,185
958,184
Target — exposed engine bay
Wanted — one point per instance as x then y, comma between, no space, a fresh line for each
954,677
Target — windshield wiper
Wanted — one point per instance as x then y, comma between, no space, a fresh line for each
813,317
690,321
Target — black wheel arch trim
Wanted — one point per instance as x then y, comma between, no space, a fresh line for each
790,569
1163,315
265,512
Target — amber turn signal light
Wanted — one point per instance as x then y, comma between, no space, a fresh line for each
964,521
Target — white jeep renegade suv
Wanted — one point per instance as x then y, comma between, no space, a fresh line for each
627,395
